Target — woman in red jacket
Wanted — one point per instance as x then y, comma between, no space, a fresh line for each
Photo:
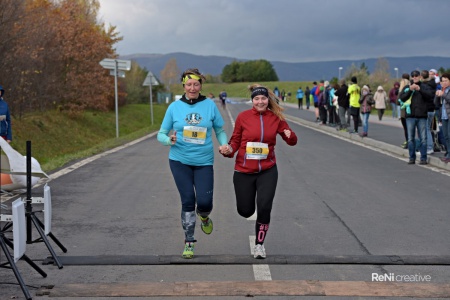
256,174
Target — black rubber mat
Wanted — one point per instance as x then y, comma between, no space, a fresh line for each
249,260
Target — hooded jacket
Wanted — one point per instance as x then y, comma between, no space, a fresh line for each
5,117
261,127
380,98
393,93
366,101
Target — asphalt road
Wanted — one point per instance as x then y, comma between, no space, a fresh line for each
338,198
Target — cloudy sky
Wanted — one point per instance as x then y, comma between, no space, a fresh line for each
282,30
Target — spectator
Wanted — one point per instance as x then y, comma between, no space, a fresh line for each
307,93
393,96
276,91
418,94
433,74
426,79
355,94
316,100
403,83
343,102
444,99
332,115
366,102
5,118
321,103
223,98
300,98
380,98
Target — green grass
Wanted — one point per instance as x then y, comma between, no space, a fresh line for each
57,139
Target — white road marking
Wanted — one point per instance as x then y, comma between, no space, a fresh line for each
261,272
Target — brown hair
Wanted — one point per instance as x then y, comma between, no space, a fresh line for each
273,101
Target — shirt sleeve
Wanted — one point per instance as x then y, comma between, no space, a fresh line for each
221,135
166,126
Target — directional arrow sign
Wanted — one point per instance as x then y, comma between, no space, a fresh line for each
109,63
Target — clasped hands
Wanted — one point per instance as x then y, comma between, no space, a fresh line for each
225,149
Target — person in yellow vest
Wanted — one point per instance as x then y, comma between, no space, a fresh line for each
355,93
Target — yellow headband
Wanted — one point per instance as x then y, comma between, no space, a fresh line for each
191,76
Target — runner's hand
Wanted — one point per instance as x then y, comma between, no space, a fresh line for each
287,132
173,137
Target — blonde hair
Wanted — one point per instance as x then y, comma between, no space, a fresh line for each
403,82
273,101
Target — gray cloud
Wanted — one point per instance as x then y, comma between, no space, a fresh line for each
284,30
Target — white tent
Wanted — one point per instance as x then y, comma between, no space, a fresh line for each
14,169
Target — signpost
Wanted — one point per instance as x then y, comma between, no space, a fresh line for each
149,81
117,68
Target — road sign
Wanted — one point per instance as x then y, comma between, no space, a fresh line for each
117,68
109,63
120,73
150,80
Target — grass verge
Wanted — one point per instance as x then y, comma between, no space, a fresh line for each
57,138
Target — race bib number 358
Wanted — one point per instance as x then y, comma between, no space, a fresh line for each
194,134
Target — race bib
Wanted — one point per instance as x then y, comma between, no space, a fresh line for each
257,150
194,134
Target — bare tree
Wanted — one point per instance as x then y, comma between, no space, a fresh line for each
170,74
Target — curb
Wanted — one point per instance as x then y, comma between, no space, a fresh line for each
432,161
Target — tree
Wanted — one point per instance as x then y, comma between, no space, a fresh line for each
364,68
50,55
230,71
381,74
136,92
170,74
253,70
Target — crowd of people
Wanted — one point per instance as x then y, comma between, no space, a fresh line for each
418,101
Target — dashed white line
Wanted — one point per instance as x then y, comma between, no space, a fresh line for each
261,272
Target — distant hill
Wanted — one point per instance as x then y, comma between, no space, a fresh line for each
306,71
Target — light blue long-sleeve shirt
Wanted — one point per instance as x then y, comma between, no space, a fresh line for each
179,116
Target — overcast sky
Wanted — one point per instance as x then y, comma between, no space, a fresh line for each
282,30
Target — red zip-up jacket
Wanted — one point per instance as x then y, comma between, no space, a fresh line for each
253,126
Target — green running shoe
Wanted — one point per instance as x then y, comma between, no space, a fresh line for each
206,225
188,250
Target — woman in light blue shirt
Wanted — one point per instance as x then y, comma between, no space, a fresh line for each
191,155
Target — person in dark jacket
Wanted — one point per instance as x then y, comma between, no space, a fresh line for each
256,174
344,103
307,93
443,97
416,96
430,108
5,118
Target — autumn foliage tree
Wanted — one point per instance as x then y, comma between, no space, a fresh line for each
51,53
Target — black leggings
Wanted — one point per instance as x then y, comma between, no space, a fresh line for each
261,186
